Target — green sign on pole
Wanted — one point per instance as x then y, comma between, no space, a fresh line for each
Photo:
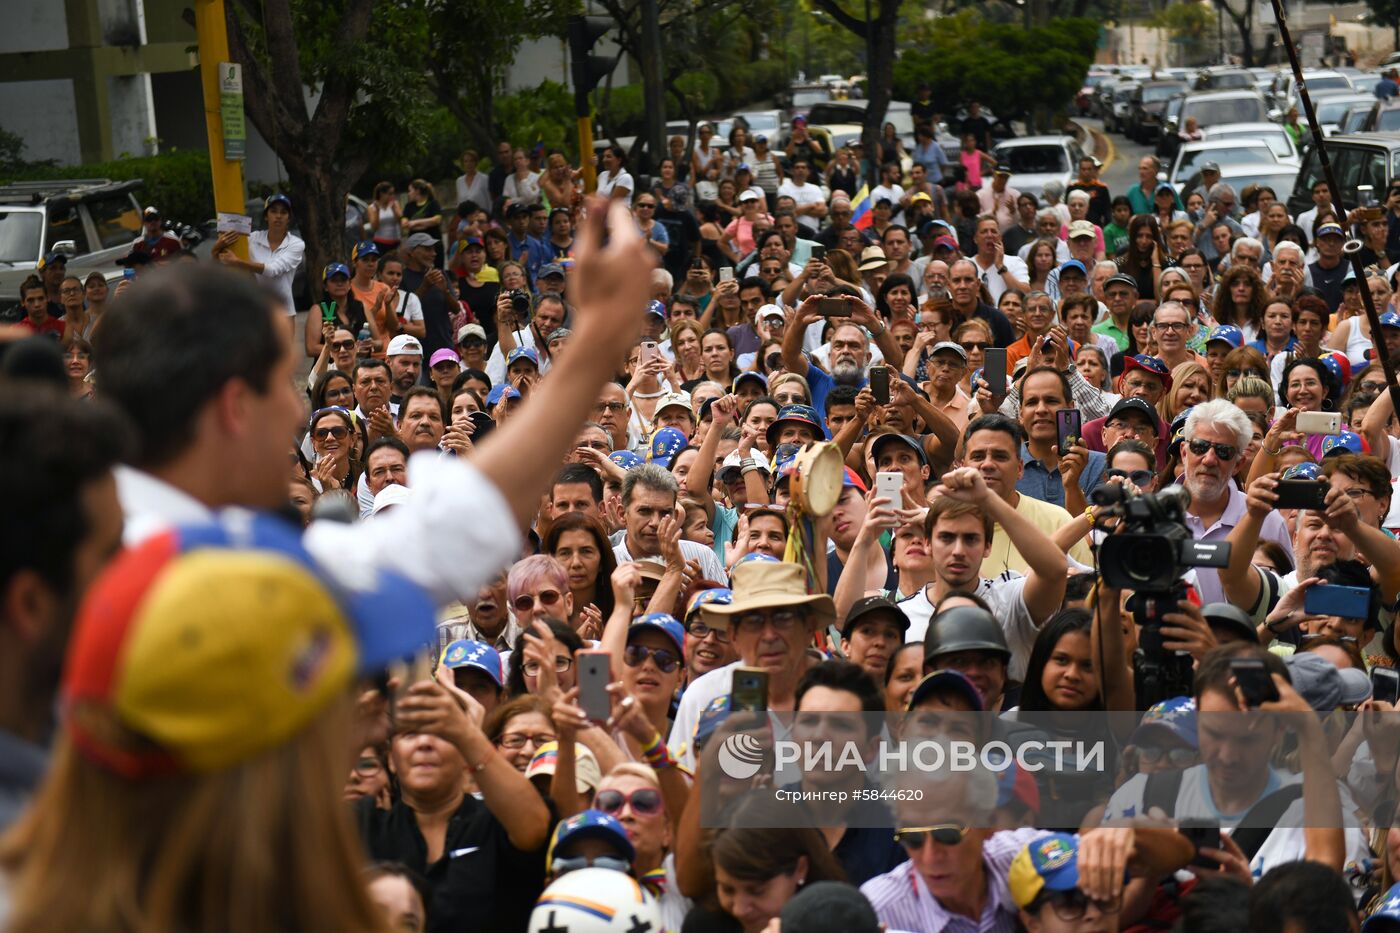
231,110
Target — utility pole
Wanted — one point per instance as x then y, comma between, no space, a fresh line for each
653,92
222,84
586,70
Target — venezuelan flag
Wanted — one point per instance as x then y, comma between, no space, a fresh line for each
862,218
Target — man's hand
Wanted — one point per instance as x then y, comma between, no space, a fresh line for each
626,580
862,313
1187,630
964,484
724,411
1289,611
381,423
1104,854
1072,464
879,517
809,312
1262,496
611,283
865,404
457,439
1340,513
669,533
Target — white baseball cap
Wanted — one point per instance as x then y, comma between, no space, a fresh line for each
404,345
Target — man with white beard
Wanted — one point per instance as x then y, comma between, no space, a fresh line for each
850,353
1216,435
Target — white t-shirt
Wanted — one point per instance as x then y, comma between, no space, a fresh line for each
608,181
996,285
279,265
408,307
1285,844
526,192
690,550
1392,460
803,195
1006,597
895,193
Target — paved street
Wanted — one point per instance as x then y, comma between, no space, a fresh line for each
1120,164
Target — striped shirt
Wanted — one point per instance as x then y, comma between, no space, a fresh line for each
902,900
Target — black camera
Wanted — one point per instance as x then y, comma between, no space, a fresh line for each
1149,553
519,303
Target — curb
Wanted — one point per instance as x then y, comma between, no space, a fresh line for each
1103,147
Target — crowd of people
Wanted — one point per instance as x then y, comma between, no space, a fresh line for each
517,525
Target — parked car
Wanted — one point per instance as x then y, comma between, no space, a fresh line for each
1354,120
1115,117
1284,93
1239,175
768,122
1146,104
92,221
1211,108
1193,154
1383,117
1272,134
1035,160
1360,159
1223,79
1331,108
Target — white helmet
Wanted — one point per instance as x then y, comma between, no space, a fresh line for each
595,900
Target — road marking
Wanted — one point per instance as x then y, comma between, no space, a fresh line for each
1112,152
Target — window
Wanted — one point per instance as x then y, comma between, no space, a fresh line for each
116,219
65,224
19,236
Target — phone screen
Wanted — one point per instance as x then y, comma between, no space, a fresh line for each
750,690
1254,681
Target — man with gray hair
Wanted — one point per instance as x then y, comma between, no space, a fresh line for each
1246,251
648,501
1047,227
1141,195
1220,208
1216,435
1287,274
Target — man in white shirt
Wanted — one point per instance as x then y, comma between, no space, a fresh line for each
222,442
810,205
997,270
649,497
890,188
1322,201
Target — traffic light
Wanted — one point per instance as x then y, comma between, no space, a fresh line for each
585,68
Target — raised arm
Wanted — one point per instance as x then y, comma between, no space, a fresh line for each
866,554
1239,579
1373,426
797,322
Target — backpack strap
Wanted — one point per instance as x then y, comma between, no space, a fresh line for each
1262,817
1161,791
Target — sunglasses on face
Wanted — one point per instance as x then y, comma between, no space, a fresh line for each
339,432
700,631
342,344
644,802
1237,373
525,602
1136,477
974,346
1176,757
916,837
1223,451
1071,905
636,656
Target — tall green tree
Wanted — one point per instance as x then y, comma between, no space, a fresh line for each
874,21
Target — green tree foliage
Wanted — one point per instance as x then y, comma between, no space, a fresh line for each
1012,70
178,180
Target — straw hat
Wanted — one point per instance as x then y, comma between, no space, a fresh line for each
769,585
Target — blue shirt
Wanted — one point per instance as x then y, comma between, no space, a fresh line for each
1040,482
1263,348
934,160
537,253
821,384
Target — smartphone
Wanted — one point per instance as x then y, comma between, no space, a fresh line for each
1365,196
994,370
880,385
834,307
1347,602
1301,493
726,273
891,486
128,273
1202,836
482,424
1069,426
749,692
1385,684
593,678
1254,681
697,263
1320,422
833,639
650,351
819,252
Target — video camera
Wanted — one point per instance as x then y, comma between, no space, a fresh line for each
1149,553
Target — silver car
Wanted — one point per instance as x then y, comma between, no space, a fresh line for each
1035,160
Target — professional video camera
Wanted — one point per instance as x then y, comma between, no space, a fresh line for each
1149,552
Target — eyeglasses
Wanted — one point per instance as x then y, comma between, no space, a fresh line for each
342,344
562,866
781,620
643,204
644,801
525,602
1223,451
636,656
596,445
916,837
1071,905
368,766
1176,757
338,431
561,664
937,363
1178,326
1136,477
1237,373
610,406
1356,492
520,739
700,631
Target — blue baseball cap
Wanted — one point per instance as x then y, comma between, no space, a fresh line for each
851,480
1163,186
657,308
1388,909
719,596
1074,264
1345,442
626,459
749,375
551,269
524,353
755,556
665,444
795,414
1303,470
335,268
477,655
1050,863
1339,366
1390,319
664,622
278,198
1176,715
504,390
711,718
364,248
590,824
1227,333
51,257
947,680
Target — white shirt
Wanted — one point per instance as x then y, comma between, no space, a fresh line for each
1306,220
695,700
895,193
496,362
710,567
607,181
996,284
803,195
408,306
452,537
1006,597
279,265
526,192
1061,252
478,191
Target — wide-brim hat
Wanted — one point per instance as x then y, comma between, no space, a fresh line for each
764,584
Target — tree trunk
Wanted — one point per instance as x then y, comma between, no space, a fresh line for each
879,81
653,88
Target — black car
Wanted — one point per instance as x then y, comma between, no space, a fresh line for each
1145,113
1360,159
